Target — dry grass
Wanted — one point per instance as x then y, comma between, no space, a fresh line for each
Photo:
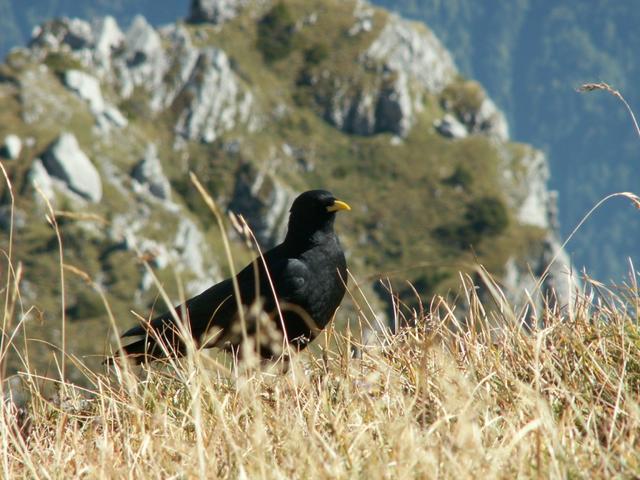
476,396
434,400
443,397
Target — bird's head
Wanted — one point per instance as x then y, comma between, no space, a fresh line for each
314,211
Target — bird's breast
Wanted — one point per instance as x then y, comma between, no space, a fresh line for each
327,284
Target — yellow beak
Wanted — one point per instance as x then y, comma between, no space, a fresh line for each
338,205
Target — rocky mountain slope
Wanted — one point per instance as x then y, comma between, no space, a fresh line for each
531,56
260,100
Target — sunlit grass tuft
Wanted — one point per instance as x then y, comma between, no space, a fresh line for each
433,400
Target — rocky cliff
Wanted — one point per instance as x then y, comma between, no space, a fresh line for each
261,100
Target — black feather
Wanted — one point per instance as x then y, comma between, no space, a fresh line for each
307,271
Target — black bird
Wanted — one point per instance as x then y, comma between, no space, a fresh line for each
307,271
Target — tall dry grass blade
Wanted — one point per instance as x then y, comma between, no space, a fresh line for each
248,233
51,219
227,248
628,195
7,311
602,86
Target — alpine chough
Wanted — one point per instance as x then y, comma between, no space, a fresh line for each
289,301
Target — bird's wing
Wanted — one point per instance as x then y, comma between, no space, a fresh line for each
290,279
215,306
203,309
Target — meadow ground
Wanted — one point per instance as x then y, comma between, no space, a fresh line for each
435,400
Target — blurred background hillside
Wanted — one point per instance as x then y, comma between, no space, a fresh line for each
447,136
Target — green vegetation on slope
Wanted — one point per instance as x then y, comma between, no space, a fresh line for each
405,192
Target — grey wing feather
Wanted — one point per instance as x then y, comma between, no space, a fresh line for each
292,280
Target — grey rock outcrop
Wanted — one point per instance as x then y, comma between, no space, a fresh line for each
87,87
264,202
387,107
17,222
91,44
164,64
363,14
467,103
143,62
524,180
561,284
394,111
449,126
213,98
11,147
149,172
561,277
182,57
184,253
410,60
180,247
545,277
66,161
73,32
352,113
188,247
408,47
490,121
108,38
215,11
40,178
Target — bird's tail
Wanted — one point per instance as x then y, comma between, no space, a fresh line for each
141,351
159,340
